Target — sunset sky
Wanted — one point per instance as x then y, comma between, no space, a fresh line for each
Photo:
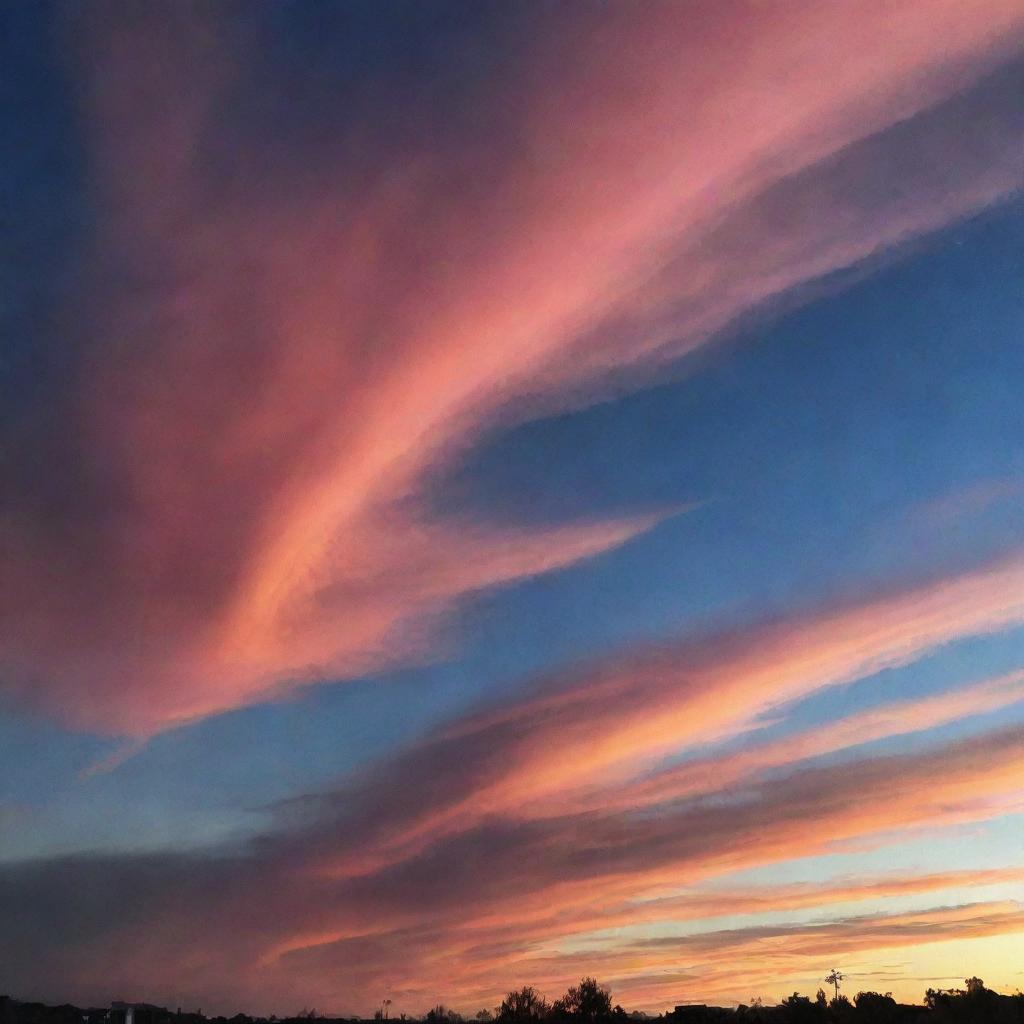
497,492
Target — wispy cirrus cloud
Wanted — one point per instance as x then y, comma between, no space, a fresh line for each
504,872
589,738
273,929
478,884
712,901
276,349
762,955
880,722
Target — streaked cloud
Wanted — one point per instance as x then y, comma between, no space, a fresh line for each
271,365
489,879
493,893
577,741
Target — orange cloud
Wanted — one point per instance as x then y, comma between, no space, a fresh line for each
774,960
466,915
881,722
581,742
498,897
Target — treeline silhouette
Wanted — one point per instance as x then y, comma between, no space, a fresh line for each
590,1003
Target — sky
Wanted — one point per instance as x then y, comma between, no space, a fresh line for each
492,493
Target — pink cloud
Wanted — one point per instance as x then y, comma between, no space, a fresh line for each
588,740
271,369
470,910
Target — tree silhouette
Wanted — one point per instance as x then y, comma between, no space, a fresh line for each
875,1006
440,1014
586,1002
525,1005
798,1009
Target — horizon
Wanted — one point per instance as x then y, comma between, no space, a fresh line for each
510,490
509,1010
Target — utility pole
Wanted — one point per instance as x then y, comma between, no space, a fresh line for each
833,979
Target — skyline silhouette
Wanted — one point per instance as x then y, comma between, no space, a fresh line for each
589,1002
